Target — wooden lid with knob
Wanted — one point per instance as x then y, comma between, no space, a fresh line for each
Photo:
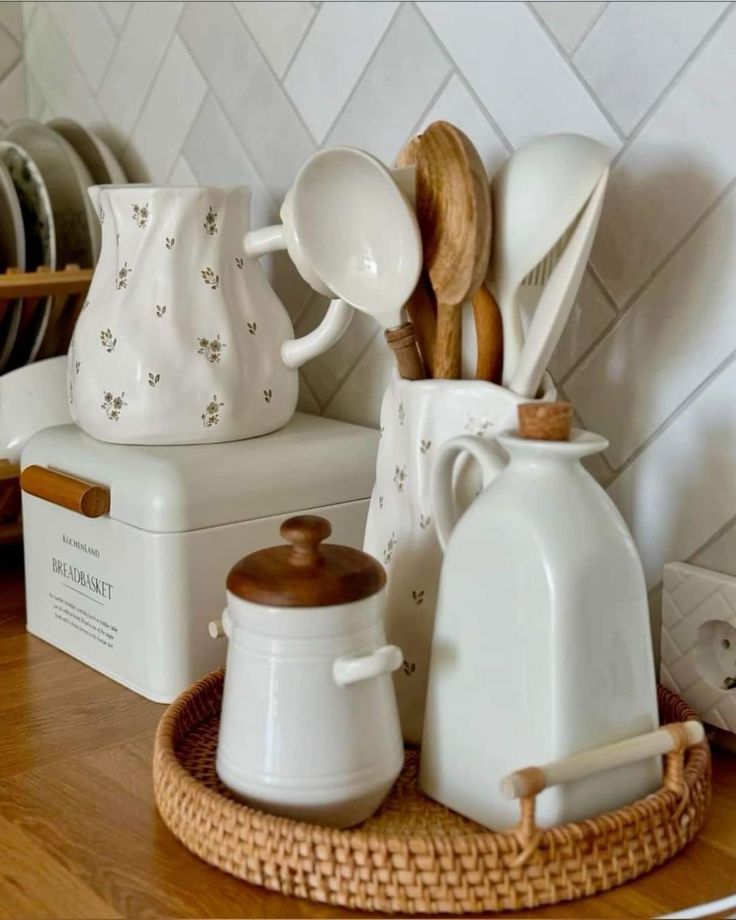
307,573
545,421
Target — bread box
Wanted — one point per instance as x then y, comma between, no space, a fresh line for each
127,548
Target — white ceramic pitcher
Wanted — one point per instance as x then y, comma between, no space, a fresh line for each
182,340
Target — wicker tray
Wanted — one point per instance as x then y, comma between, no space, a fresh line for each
414,855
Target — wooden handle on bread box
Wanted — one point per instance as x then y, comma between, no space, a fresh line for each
85,498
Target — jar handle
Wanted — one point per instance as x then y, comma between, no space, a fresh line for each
491,461
384,660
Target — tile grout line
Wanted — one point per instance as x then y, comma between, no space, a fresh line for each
75,60
303,382
704,384
343,380
19,60
201,105
713,539
674,83
629,304
316,10
273,73
589,29
154,78
435,97
689,233
568,62
464,80
371,58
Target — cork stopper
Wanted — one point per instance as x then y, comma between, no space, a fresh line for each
545,421
402,342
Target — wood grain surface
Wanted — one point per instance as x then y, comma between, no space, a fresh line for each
80,836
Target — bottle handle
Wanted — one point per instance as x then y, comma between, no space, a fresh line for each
384,660
491,461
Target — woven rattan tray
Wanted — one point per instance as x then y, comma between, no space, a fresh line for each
415,856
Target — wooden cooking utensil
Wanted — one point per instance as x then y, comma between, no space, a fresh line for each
420,309
489,336
454,213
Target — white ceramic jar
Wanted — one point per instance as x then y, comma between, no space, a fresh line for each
309,727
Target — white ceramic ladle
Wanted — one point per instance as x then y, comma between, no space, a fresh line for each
352,235
536,195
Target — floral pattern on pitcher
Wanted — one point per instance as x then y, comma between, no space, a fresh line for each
153,379
113,405
108,341
210,222
400,477
389,550
211,349
211,414
211,279
141,213
170,242
121,281
160,310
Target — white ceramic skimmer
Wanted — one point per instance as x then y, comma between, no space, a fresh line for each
351,233
536,195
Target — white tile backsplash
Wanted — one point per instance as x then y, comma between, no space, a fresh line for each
457,104
682,488
635,49
397,87
519,75
667,343
673,169
89,35
569,20
321,77
220,93
264,118
134,65
277,28
169,111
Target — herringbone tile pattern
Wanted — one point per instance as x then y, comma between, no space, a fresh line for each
242,92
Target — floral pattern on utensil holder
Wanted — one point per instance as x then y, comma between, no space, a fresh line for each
417,416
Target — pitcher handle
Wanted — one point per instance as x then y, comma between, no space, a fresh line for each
491,461
296,352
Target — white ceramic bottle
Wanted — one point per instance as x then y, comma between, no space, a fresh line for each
542,645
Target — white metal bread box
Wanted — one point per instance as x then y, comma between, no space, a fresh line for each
130,592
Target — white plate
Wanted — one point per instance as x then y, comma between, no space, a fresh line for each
12,255
94,152
40,241
67,180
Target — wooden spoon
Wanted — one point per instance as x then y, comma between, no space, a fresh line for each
420,307
454,213
489,336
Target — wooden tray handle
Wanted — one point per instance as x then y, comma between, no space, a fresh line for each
672,740
85,498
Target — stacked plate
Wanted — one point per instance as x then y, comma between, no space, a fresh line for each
46,218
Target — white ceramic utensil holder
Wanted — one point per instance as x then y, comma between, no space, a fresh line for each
417,417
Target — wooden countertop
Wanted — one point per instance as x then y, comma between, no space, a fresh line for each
80,836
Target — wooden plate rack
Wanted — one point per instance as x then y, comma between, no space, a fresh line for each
68,287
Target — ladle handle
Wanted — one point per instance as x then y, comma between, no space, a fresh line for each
403,343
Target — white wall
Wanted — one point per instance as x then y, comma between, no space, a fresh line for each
233,92
12,80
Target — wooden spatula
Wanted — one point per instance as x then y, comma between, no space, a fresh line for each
454,213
